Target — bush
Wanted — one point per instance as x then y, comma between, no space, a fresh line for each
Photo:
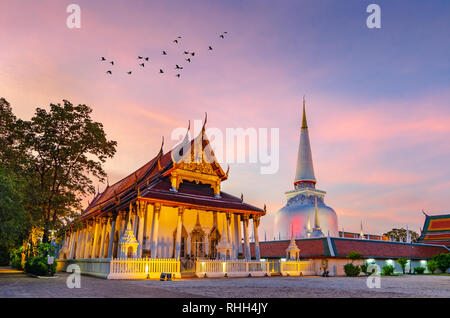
352,270
37,264
432,266
16,258
388,270
419,270
364,268
353,255
443,261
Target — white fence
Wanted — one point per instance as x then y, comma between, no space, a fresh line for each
297,268
231,268
131,268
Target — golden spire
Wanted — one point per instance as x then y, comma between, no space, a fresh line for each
304,122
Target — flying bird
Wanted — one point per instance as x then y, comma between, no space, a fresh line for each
176,41
103,59
221,36
161,71
108,72
210,48
178,67
142,64
186,52
164,53
225,32
178,75
129,72
189,60
146,59
112,62
193,53
140,57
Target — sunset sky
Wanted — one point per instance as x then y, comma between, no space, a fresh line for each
378,100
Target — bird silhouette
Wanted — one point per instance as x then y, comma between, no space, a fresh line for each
140,57
103,59
142,64
176,41
210,48
164,53
112,62
161,71
189,60
178,67
108,72
146,59
222,36
225,32
193,53
129,72
178,75
186,52
179,37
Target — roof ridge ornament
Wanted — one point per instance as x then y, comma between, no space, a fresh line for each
304,121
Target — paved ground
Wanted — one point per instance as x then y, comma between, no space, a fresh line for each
17,284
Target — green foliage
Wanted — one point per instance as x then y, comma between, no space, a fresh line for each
400,235
51,160
364,268
353,255
419,270
37,263
16,258
352,270
443,261
402,262
432,266
387,270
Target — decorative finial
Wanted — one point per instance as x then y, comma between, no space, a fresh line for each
424,213
304,122
228,171
242,196
265,208
204,124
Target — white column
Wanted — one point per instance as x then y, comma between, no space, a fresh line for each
179,230
245,220
206,247
111,236
94,243
156,212
87,242
188,247
236,239
72,245
141,213
228,220
256,220
79,243
105,222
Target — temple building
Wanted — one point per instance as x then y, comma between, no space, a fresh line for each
170,208
305,211
436,230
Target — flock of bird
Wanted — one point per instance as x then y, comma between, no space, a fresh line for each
142,60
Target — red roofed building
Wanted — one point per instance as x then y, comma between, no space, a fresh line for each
436,230
173,206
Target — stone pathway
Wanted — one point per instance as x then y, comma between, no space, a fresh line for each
17,284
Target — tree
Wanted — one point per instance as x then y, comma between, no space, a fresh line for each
432,266
400,235
402,262
353,255
64,146
442,261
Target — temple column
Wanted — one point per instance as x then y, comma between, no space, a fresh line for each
188,247
72,245
87,241
156,212
105,222
147,227
236,237
256,220
228,218
93,253
112,233
79,243
206,244
141,207
179,230
122,222
245,220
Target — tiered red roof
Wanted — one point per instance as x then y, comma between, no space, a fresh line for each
436,230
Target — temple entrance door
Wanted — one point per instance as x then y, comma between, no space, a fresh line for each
197,244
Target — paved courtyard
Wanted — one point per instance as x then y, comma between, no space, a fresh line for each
17,284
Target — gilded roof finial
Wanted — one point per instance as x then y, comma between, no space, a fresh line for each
304,122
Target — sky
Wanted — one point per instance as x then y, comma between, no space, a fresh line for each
377,99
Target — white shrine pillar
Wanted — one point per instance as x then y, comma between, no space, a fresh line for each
79,243
256,221
156,212
228,220
140,213
245,221
72,245
237,237
87,240
112,233
179,230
